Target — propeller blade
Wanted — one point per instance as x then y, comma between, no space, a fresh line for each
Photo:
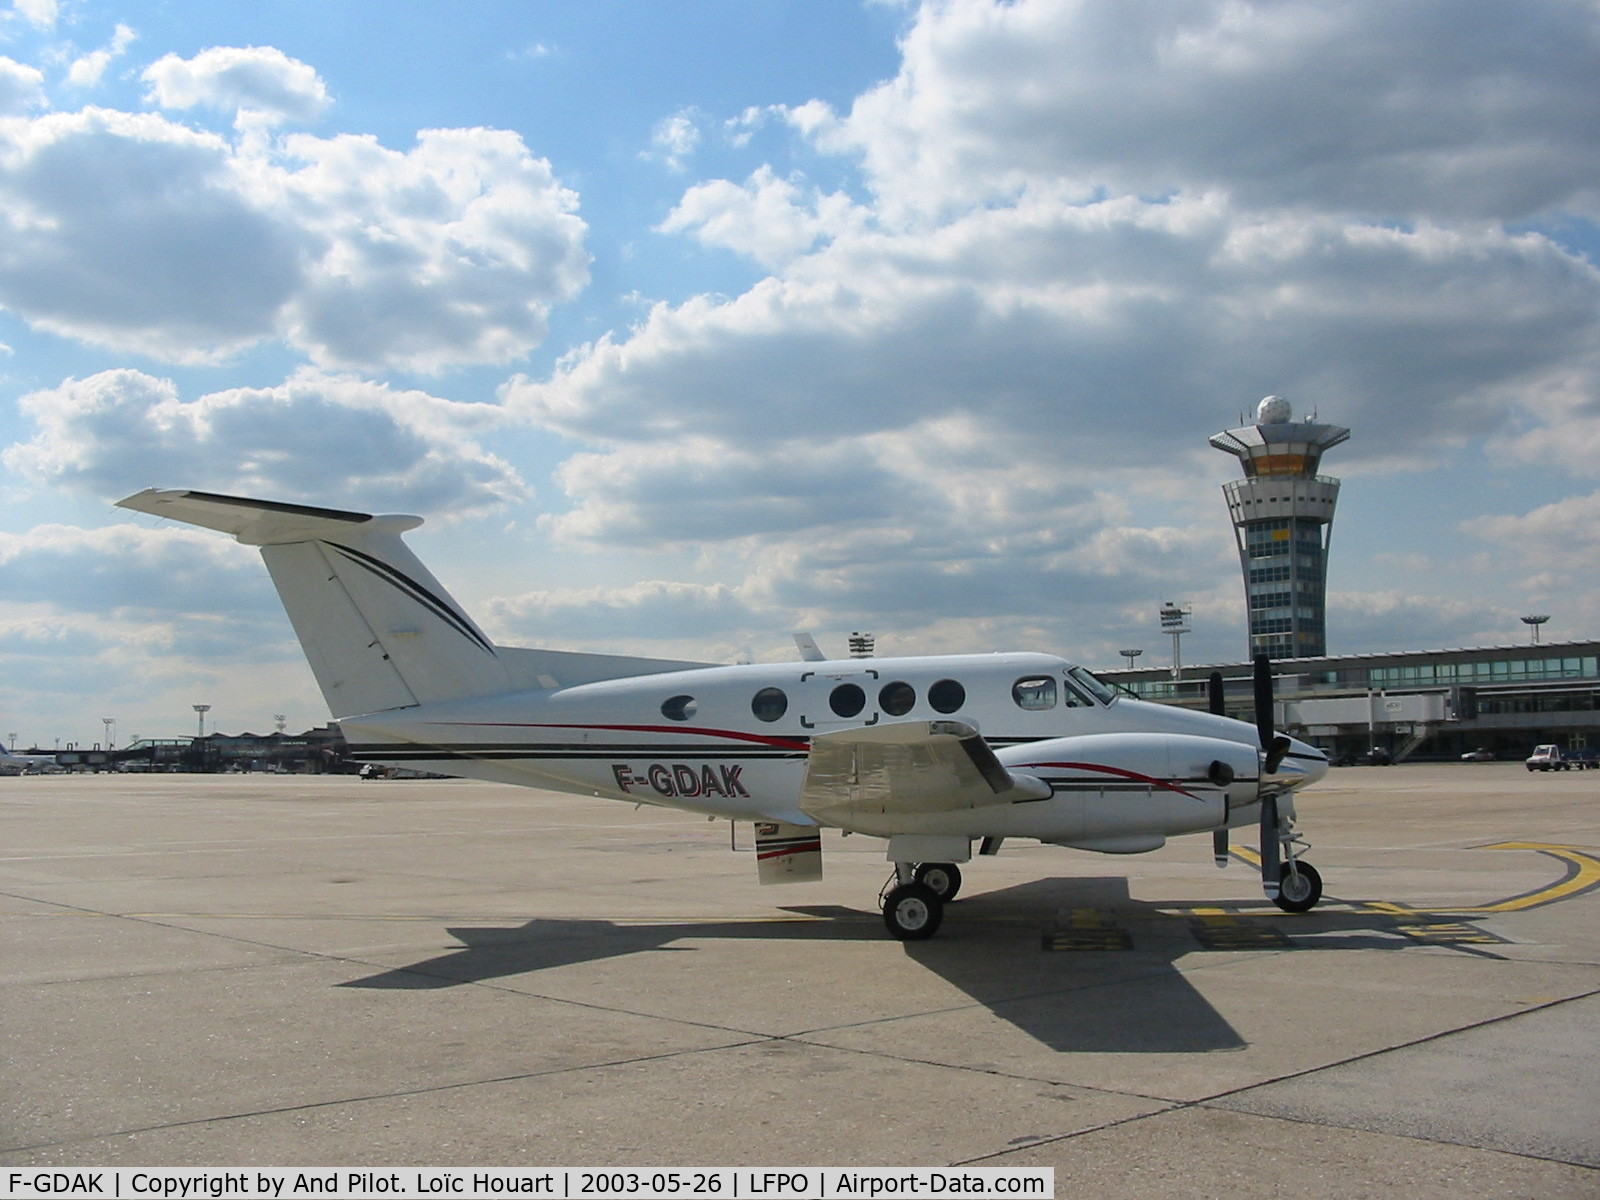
1214,695
1270,870
1276,752
1219,846
1263,700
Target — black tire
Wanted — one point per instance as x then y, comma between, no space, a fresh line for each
912,912
1302,896
942,879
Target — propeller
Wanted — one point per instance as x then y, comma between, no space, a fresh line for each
1274,746
1214,702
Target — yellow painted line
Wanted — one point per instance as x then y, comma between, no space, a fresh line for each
1215,916
1585,876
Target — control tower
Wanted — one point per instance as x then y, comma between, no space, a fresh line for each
1282,513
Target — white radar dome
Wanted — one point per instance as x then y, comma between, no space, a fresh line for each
1274,410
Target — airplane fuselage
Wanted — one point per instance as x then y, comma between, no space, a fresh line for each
733,742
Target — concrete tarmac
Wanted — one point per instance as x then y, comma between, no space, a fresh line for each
303,971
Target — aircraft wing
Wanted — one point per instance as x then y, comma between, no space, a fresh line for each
907,767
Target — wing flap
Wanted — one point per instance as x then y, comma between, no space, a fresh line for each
907,767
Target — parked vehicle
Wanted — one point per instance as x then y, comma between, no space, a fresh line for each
1546,758
1582,760
1481,754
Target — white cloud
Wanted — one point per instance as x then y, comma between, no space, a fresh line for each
21,87
87,70
127,570
597,617
674,139
447,255
140,623
41,14
1079,323
768,218
310,439
260,81
1468,110
135,233
1094,234
132,232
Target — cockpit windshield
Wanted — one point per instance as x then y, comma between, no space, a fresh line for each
1088,683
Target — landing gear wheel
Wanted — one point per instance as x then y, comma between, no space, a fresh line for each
1299,888
942,879
912,912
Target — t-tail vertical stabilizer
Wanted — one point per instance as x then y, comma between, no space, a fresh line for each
379,630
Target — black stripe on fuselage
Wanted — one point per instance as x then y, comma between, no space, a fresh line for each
421,595
493,750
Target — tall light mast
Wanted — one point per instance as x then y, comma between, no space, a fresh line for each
1282,513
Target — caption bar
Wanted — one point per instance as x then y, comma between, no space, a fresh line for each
412,1183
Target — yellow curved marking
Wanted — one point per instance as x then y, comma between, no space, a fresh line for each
1583,876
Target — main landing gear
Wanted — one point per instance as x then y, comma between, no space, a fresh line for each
915,896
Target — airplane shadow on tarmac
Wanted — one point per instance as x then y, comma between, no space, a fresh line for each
1075,963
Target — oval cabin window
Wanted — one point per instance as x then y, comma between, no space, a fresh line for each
897,699
847,700
947,696
679,708
769,704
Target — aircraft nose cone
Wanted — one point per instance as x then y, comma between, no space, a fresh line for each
1312,762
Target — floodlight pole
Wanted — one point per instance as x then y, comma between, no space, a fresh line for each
1173,621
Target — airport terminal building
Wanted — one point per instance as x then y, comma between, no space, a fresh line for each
1418,704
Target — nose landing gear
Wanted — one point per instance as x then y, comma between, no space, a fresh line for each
1299,885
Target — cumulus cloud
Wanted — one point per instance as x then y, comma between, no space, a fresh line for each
87,70
768,218
21,87
129,231
133,232
41,14
1473,110
592,617
141,622
1093,234
1080,323
314,438
452,253
260,83
129,571
674,139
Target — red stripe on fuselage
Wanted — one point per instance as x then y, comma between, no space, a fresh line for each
1125,774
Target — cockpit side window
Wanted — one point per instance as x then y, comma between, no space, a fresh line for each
1085,681
1035,693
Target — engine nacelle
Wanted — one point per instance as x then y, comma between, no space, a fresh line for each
1141,785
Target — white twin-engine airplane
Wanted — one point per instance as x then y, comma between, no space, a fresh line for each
931,753
25,764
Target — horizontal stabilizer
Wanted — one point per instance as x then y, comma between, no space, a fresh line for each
378,629
261,522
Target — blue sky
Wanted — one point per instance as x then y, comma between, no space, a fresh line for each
690,325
